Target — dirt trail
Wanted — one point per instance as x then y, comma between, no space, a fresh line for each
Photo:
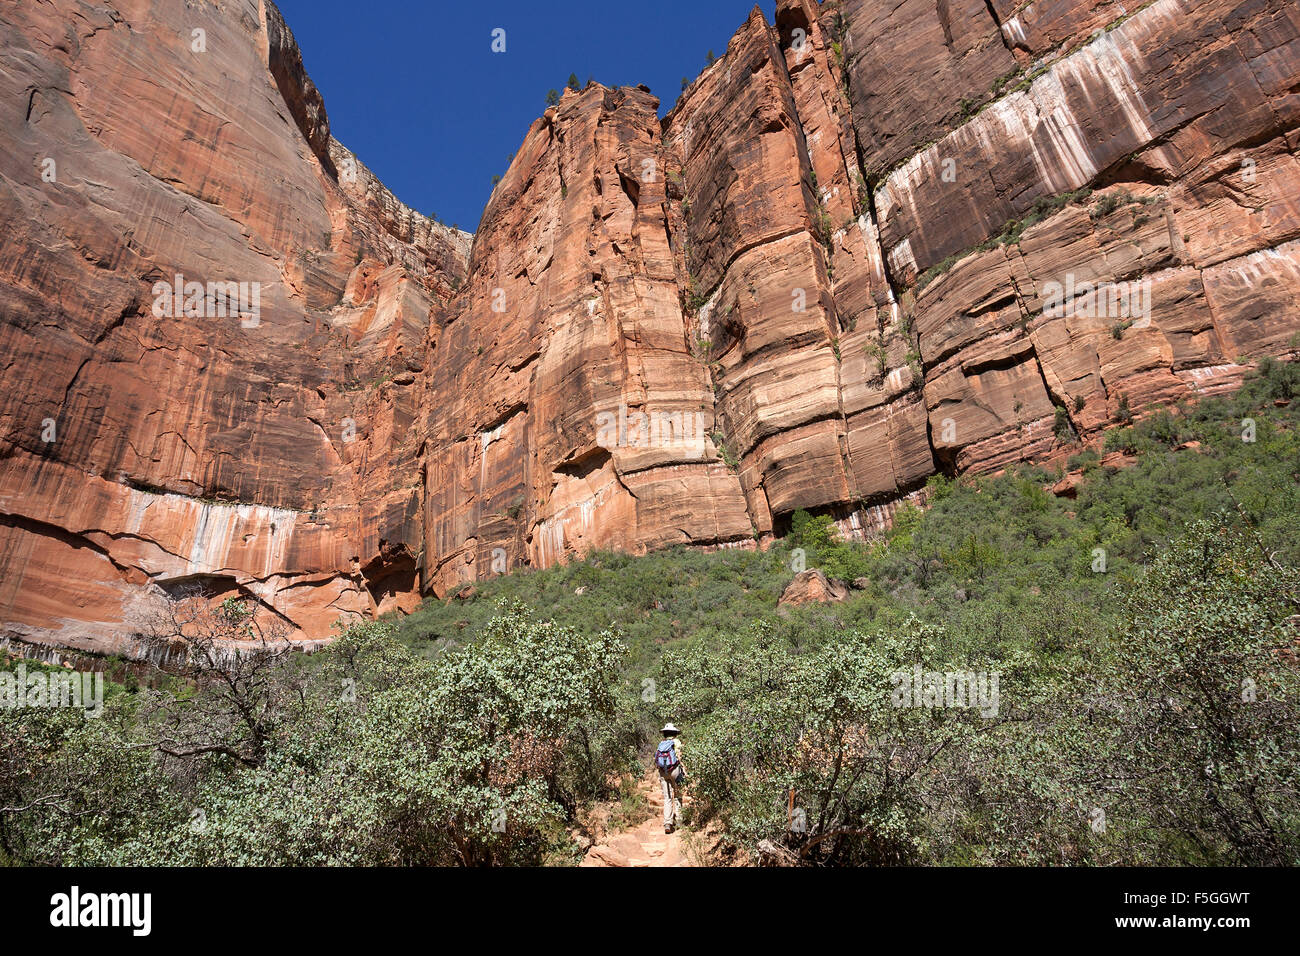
646,844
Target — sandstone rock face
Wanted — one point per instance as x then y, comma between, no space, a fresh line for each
916,68
566,409
271,454
1168,89
1128,168
873,241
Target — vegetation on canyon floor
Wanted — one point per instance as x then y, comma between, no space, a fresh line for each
1143,634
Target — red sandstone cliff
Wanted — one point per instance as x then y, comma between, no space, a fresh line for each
826,274
137,450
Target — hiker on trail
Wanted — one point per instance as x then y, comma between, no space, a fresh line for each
668,761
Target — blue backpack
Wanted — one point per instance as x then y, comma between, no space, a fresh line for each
665,755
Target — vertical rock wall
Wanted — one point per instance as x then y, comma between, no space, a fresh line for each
834,268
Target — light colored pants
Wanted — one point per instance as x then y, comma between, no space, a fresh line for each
672,801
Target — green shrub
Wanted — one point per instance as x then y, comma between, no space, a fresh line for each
1061,425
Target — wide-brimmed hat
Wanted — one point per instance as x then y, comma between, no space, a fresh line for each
670,729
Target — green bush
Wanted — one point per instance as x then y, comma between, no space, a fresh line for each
377,757
1195,752
819,537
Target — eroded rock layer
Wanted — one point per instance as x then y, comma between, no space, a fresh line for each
873,241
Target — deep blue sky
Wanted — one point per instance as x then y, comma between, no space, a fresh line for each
413,88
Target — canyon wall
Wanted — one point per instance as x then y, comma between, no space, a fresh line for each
271,455
873,241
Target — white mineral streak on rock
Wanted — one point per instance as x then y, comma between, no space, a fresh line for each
1209,372
486,439
901,259
743,544
1014,30
850,528
215,531
706,310
572,522
277,552
875,257
218,527
137,507
550,540
1040,122
1264,268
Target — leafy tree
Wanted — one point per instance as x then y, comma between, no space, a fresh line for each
379,757
872,781
78,790
819,536
1061,425
972,559
1200,761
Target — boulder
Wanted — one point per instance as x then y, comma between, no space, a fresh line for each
813,587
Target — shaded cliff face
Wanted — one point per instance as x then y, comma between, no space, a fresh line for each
873,241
